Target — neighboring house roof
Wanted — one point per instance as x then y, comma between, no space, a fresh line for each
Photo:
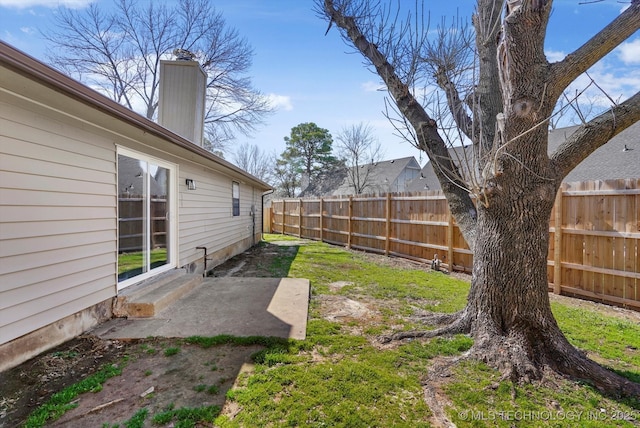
608,162
325,183
31,68
384,176
462,156
611,161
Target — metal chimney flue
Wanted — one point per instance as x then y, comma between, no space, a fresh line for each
184,55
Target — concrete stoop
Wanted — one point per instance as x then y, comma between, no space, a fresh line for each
145,300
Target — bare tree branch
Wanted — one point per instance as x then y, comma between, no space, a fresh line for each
449,58
487,96
595,134
94,52
250,158
562,73
456,105
429,139
121,52
360,151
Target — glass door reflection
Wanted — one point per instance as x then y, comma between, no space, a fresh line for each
143,217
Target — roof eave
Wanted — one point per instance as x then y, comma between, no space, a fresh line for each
34,69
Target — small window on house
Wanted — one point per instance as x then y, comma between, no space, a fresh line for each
235,191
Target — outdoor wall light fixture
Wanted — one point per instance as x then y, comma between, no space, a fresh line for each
191,184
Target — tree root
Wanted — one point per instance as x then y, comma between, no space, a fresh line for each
438,318
569,361
508,355
524,356
459,325
437,375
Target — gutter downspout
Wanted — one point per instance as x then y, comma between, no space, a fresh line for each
204,273
263,195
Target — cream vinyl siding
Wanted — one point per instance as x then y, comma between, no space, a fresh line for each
58,194
57,217
206,214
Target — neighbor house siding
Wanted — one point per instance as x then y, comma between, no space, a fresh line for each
411,171
57,217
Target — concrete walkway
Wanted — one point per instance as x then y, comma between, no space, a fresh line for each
228,305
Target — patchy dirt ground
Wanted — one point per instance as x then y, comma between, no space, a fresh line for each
155,377
192,377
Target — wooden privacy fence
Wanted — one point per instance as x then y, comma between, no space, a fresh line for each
595,253
131,224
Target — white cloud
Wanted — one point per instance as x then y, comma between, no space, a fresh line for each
554,56
371,86
280,102
28,30
612,83
23,4
629,52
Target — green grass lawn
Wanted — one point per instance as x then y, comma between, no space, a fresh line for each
132,261
341,376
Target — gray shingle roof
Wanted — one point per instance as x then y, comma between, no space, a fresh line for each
325,183
383,176
462,156
609,162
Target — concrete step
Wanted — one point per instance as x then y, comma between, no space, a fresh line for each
147,299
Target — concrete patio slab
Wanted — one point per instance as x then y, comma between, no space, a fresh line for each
228,305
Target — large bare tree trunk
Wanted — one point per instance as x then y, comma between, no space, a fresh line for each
509,304
508,311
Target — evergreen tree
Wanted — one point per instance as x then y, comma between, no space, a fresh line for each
310,147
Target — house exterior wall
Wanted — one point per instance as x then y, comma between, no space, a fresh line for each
59,202
206,217
409,173
57,217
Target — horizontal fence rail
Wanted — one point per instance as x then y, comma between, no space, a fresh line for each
594,249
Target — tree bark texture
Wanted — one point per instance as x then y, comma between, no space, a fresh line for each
508,311
511,320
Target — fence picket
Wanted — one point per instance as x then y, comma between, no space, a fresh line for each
594,251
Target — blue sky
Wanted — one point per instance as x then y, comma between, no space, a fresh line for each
316,78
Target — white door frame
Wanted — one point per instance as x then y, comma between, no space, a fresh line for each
172,205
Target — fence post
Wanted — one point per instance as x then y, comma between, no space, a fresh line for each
349,226
387,243
450,242
557,244
284,216
300,218
321,217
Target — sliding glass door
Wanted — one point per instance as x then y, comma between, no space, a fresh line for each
145,229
